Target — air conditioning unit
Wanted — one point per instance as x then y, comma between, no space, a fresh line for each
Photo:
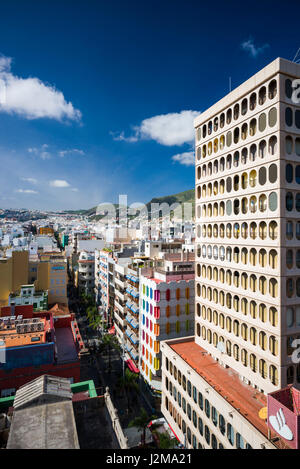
40,326
20,329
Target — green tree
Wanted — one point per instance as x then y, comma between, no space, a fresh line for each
141,422
129,383
165,441
109,343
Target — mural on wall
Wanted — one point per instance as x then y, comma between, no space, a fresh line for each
279,424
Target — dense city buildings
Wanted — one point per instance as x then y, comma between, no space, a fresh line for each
216,385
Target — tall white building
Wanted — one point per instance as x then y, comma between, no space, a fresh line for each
247,266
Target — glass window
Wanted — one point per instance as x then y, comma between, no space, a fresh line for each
288,88
207,408
230,434
288,116
297,118
273,117
289,173
273,173
273,201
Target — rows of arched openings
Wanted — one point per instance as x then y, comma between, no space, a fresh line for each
238,182
239,109
249,153
242,355
257,311
245,256
253,283
244,230
250,204
221,275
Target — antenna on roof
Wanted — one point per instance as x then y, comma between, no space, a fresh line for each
296,59
229,84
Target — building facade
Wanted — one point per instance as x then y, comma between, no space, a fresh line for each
166,311
247,285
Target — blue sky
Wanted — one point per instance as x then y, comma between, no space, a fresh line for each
101,95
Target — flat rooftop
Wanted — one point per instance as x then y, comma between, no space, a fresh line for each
48,426
66,348
226,382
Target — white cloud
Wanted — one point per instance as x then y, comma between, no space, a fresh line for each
30,180
187,158
31,98
74,189
59,183
170,129
70,152
253,50
26,191
41,152
121,137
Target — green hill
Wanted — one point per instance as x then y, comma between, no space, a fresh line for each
181,197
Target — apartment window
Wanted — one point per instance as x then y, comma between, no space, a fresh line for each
230,434
207,408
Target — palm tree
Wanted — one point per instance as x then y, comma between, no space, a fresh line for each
109,342
141,422
129,383
93,316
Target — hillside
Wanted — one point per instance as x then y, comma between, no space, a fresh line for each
182,197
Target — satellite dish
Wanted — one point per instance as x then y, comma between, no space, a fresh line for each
221,347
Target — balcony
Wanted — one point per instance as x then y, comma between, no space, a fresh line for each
119,295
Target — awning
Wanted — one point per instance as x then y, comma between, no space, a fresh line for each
134,324
135,309
134,279
132,366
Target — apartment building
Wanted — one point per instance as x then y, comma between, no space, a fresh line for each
52,276
28,295
85,275
119,303
247,285
166,311
104,283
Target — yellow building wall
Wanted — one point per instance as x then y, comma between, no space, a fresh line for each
42,276
5,280
13,274
20,269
